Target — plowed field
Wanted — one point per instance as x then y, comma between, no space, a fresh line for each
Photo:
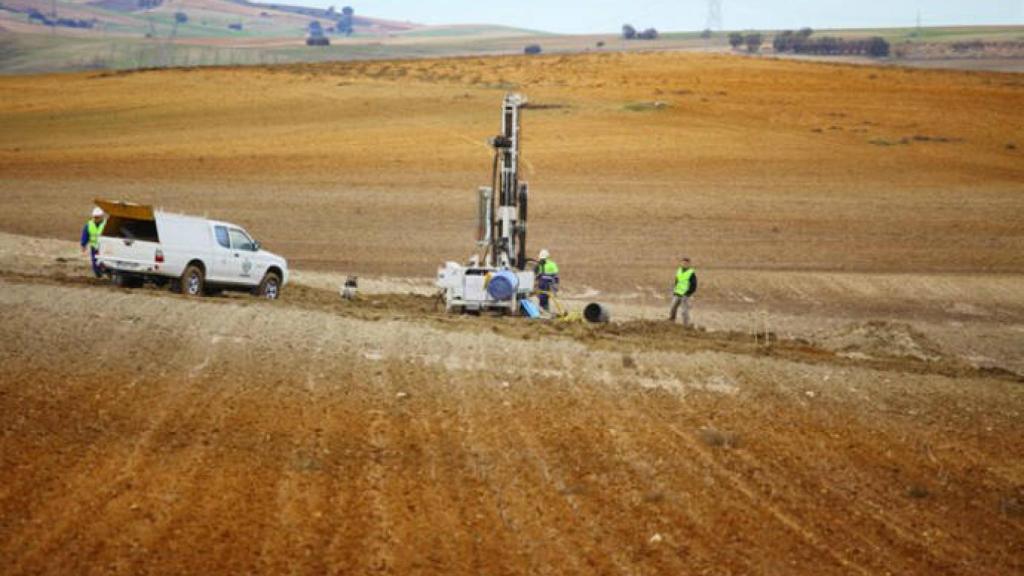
870,220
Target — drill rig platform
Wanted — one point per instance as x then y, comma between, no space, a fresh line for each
496,277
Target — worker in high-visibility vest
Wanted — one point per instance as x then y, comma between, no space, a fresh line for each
91,237
683,290
547,277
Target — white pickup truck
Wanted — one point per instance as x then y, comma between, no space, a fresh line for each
194,255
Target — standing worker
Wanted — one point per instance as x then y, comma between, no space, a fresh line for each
91,237
686,286
547,277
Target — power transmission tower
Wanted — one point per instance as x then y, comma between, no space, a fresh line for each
714,15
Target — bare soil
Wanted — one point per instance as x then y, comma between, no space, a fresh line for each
851,404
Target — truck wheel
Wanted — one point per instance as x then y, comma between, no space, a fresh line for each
270,287
192,281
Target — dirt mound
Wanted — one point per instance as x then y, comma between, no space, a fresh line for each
882,338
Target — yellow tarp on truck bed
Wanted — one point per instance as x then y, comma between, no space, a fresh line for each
126,210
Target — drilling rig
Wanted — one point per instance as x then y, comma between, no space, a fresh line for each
496,276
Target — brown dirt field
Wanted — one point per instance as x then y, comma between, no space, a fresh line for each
733,169
366,440
879,433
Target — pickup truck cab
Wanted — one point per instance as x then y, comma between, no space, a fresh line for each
194,255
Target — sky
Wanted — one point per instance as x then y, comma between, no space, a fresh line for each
604,16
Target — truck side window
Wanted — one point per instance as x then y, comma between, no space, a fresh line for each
222,236
239,241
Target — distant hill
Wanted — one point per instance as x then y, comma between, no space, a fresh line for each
205,17
131,34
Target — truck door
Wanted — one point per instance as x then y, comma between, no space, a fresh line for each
243,250
223,256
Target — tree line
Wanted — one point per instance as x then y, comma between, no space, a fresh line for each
631,33
801,42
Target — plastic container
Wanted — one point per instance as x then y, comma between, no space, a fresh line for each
503,285
530,310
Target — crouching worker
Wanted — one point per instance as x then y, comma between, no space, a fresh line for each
685,287
91,238
547,278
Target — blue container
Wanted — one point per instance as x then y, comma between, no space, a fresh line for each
503,285
529,308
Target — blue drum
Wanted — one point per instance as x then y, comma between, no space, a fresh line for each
503,285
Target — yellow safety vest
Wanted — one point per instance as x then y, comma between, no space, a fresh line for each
94,232
548,268
683,281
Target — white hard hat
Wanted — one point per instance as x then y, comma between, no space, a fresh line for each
97,212
544,254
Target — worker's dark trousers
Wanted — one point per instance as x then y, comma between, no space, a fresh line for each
96,269
546,284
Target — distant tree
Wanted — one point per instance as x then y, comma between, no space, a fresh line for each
805,33
649,34
706,34
628,32
236,26
331,12
345,22
600,43
532,49
877,47
179,18
735,40
783,41
753,42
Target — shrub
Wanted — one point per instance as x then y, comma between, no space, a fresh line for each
753,42
532,49
877,47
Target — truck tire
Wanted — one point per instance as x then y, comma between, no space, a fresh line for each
192,281
270,287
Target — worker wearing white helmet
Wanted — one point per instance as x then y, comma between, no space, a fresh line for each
91,237
547,277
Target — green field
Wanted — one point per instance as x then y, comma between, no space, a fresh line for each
150,38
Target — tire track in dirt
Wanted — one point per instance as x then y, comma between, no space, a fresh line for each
743,487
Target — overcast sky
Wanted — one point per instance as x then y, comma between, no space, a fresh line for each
595,16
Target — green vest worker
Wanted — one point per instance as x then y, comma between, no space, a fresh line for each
91,237
547,277
685,287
